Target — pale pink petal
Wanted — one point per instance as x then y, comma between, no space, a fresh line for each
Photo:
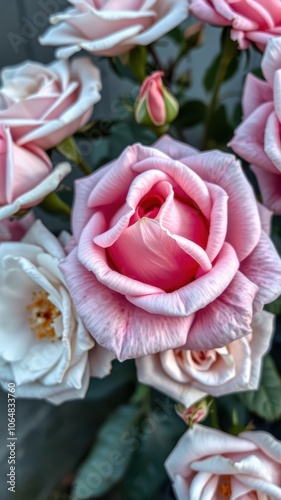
189,448
150,372
243,219
113,186
265,217
171,14
270,187
249,139
272,143
263,328
225,319
271,60
174,149
267,443
35,195
206,13
263,267
218,221
94,258
195,295
191,183
256,92
116,324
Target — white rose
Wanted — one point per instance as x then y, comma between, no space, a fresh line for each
44,347
187,376
208,464
112,27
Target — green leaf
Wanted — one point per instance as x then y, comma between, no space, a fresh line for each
146,473
266,401
274,307
191,113
110,456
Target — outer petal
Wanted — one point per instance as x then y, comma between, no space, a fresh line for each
38,193
249,139
151,372
243,219
116,324
255,93
189,449
170,16
271,60
263,329
226,319
263,267
270,186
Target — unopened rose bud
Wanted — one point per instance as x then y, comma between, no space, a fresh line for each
196,413
195,35
156,105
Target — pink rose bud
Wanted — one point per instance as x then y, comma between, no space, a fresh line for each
195,35
196,413
156,105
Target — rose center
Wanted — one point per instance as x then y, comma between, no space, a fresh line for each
150,206
225,486
42,316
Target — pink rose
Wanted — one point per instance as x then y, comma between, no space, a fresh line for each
251,21
210,464
170,251
45,104
156,105
112,27
26,175
14,230
257,139
188,376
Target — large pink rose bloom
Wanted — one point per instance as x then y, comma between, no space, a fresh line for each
210,464
255,21
45,104
258,139
170,251
112,27
26,175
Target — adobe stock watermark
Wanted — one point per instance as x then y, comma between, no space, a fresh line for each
132,439
30,27
11,439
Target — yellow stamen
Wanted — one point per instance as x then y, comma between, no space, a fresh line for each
42,316
225,487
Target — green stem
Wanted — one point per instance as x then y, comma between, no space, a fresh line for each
142,396
84,166
214,417
226,57
54,204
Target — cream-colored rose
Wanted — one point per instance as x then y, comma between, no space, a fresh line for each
44,104
44,347
187,376
112,27
208,464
